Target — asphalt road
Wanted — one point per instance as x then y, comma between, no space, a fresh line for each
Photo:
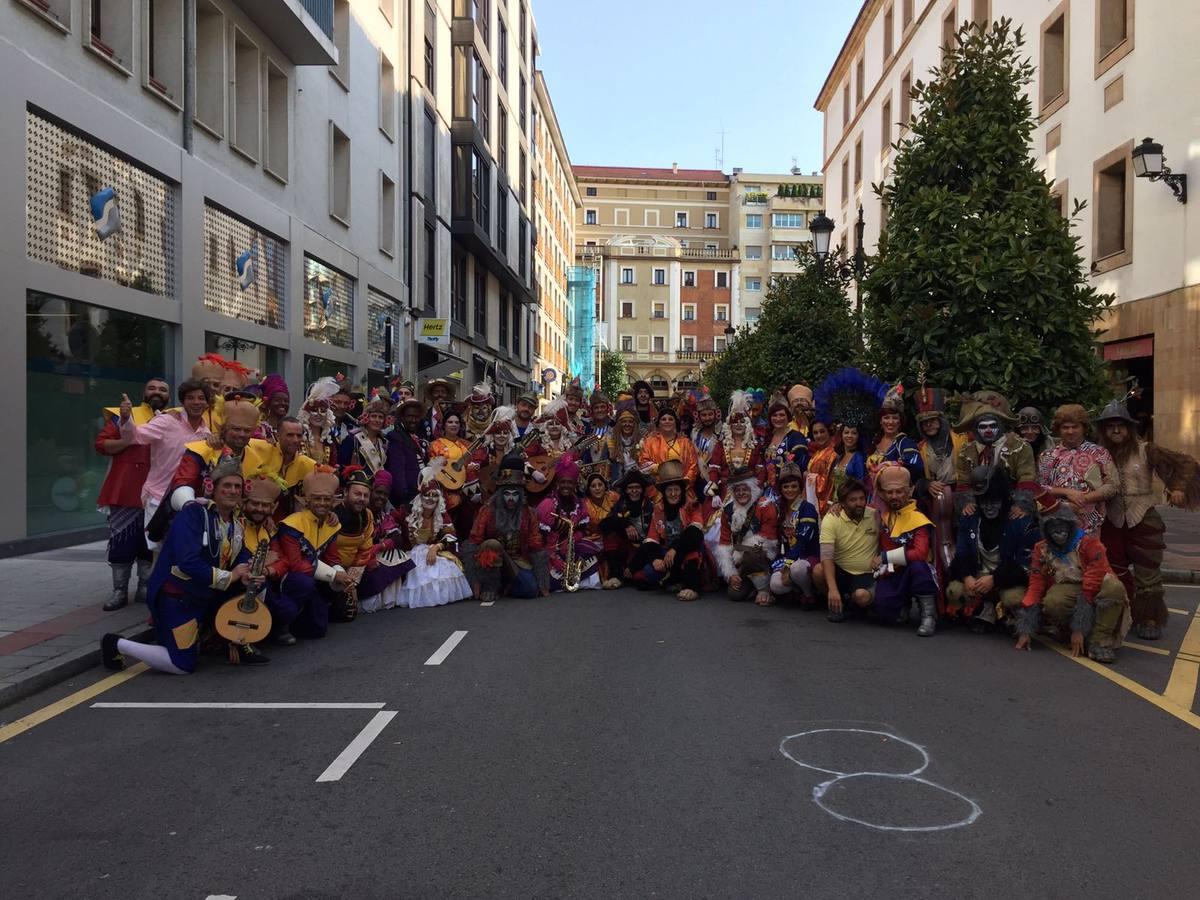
612,745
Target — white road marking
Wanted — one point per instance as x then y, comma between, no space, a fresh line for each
357,747
1146,648
221,897
1178,612
487,603
446,649
238,705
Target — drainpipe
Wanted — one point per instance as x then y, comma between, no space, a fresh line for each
189,72
409,356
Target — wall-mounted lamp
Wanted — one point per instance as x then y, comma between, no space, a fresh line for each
1149,162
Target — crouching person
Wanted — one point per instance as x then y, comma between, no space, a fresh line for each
991,562
798,567
905,572
506,555
1072,585
849,551
749,540
672,556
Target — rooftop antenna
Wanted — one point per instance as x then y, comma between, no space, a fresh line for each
795,167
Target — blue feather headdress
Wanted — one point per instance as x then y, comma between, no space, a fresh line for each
850,396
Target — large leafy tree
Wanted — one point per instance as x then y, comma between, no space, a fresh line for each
806,330
978,276
614,377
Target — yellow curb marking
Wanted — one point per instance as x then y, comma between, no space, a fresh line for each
20,726
1181,688
1146,648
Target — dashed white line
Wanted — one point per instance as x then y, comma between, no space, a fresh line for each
445,650
357,747
487,603
238,705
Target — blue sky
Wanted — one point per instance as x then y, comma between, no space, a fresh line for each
636,83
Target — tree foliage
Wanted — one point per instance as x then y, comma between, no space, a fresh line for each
614,377
978,276
805,331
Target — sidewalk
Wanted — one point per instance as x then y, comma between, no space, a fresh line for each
1181,562
50,617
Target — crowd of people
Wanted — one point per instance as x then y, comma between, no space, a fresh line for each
818,497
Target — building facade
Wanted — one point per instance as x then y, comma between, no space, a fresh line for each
1107,76
555,202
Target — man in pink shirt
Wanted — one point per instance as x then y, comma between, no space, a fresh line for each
166,436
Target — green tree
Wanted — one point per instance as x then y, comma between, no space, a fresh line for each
806,330
978,276
614,377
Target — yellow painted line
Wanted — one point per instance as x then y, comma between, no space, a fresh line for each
1189,657
1183,715
1178,612
20,726
1146,648
1181,688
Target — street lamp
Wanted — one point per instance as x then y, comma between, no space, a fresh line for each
822,230
1149,162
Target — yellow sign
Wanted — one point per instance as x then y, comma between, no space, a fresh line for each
434,332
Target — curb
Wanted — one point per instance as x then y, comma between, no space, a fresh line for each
1181,576
60,668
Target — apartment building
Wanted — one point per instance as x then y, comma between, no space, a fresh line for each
769,217
259,218
492,313
555,202
669,272
1108,76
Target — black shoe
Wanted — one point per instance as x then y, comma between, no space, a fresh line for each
109,653
248,656
1148,631
285,639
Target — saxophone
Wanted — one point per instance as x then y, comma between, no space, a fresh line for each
571,566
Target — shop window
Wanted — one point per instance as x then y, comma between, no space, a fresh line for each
328,304
245,269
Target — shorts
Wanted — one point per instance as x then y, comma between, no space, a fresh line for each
847,584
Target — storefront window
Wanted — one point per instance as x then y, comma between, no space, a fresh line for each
316,367
81,358
259,357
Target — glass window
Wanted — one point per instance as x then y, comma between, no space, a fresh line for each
783,251
245,270
318,367
752,313
328,304
481,303
754,251
504,320
754,220
384,324
754,284
261,357
787,220
81,358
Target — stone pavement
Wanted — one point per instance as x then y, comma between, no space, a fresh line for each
50,617
1181,562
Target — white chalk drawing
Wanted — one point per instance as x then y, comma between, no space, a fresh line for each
819,792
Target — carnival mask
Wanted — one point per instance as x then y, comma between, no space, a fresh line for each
429,500
511,497
990,509
988,430
1059,533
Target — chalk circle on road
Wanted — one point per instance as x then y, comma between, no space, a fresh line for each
893,785
873,749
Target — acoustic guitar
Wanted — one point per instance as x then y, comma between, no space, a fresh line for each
246,619
545,465
453,476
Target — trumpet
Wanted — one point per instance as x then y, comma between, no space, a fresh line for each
571,566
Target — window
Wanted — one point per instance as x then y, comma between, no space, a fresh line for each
658,310
627,276
387,214
1114,32
689,279
787,220
689,312
341,41
845,179
522,177
906,13
501,135
521,32
885,125
681,220
860,78
718,343
1112,202
589,217
1059,196
858,163
660,276
502,53
458,289
889,34
752,313
109,25
163,25
430,161
387,97
659,343
279,125
430,52
711,195
785,252
339,174
521,99
651,218
720,312
502,221
626,309
627,343
754,284
906,98
949,41
522,246
431,267
245,88
689,342
754,220
620,217
591,192
846,104
481,98
753,251
504,320
721,280
711,219
1055,72
516,326
708,246
481,281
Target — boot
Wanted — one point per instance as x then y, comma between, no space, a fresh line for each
143,567
928,606
120,592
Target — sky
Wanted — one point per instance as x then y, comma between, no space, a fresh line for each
655,82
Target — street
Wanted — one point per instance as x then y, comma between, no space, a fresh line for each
612,745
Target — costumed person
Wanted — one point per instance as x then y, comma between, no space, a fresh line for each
601,422
388,562
480,404
355,539
526,407
749,540
643,403
672,555
905,570
429,537
738,447
625,527
210,369
1133,531
800,402
308,566
276,405
705,438
822,458
939,446
203,563
850,551
367,446
784,443
319,420
575,408
120,496
235,379
257,519
407,451
758,414
438,394
668,444
555,436
623,449
486,462
598,503
893,447
342,405
990,570
798,566
452,447
851,399
290,463
1032,427
1072,585
505,554
986,415
1080,473
563,520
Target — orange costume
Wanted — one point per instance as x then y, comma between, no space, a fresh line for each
656,449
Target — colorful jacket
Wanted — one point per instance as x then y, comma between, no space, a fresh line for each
198,555
1086,558
307,547
127,470
905,536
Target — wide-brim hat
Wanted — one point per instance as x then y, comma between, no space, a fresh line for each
512,471
984,403
435,382
1116,411
789,471
669,472
632,476
411,401
738,476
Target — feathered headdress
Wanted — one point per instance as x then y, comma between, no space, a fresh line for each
555,411
502,419
852,397
322,389
739,404
429,472
483,392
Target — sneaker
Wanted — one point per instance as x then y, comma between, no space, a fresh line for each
285,639
1101,654
248,656
688,595
109,654
1149,631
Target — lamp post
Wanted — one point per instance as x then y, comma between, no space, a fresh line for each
1149,162
822,230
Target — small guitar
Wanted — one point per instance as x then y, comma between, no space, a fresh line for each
453,476
545,465
246,619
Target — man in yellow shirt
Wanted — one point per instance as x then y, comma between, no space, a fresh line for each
850,550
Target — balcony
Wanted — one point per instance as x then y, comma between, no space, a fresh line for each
302,29
754,198
697,355
709,253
